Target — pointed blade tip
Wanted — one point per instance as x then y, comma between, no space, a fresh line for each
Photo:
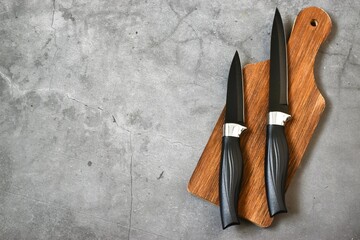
236,58
234,102
279,103
277,14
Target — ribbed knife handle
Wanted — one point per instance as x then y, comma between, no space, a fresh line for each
276,165
230,180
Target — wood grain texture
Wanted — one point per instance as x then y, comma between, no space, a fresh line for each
305,104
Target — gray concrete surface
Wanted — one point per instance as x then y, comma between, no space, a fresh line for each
106,107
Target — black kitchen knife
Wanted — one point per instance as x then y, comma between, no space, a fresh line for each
231,159
277,154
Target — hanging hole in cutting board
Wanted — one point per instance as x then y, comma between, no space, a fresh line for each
314,23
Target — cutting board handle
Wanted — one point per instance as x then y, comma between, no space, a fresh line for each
311,28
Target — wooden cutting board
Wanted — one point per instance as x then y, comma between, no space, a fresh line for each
306,104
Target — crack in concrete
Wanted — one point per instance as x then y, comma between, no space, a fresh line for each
10,83
83,103
332,54
100,109
177,142
201,53
354,64
173,10
55,41
160,176
208,89
53,15
172,32
15,92
344,66
114,120
240,44
1,13
199,61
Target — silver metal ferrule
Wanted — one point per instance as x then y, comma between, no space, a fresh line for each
278,118
232,130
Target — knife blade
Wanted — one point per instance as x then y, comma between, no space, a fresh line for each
231,160
277,154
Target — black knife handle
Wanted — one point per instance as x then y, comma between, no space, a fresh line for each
230,180
276,165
